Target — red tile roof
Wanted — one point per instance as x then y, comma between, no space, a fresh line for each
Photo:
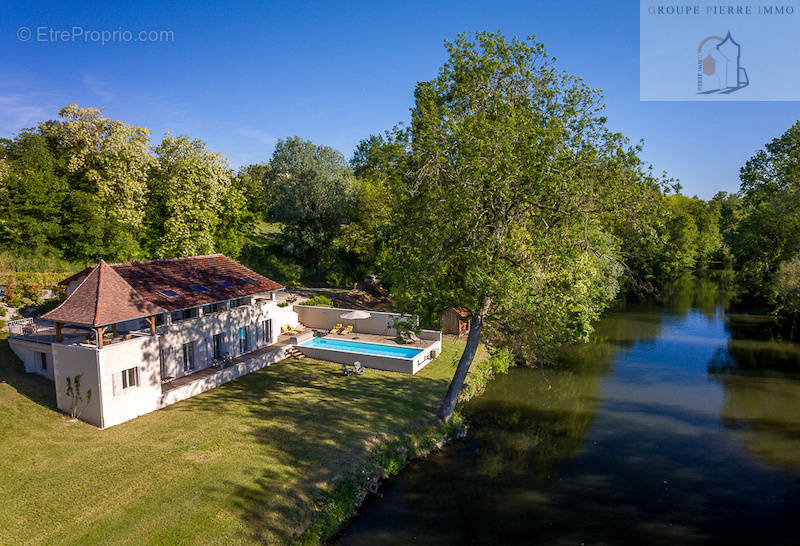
148,278
102,298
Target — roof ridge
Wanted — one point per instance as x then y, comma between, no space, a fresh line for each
86,278
175,259
99,284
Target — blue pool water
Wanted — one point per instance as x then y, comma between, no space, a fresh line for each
361,347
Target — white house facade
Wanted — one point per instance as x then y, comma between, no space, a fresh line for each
142,335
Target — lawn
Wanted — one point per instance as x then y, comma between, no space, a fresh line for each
242,463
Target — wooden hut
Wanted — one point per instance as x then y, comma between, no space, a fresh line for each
455,321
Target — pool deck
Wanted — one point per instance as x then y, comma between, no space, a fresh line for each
382,340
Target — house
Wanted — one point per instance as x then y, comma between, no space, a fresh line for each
143,335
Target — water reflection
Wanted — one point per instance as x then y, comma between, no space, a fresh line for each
760,378
678,424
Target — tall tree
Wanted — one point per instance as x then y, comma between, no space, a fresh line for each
768,233
250,183
106,163
378,164
512,178
191,196
31,196
312,188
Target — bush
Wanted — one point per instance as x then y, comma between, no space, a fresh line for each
3,311
787,288
319,301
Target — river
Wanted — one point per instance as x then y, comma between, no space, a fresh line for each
678,424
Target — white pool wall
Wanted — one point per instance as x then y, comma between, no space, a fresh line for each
378,362
379,323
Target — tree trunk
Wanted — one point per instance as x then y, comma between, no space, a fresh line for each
473,340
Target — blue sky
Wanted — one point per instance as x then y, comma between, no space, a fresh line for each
241,75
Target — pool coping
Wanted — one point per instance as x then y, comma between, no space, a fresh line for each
419,350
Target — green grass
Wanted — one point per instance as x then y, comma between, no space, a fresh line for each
243,463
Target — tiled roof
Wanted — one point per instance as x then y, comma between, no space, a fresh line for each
102,298
180,274
214,277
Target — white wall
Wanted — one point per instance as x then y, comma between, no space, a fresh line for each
28,353
325,318
119,404
391,364
202,329
73,360
228,374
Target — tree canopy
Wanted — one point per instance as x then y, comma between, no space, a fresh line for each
512,177
85,186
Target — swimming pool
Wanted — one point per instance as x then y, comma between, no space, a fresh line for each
360,347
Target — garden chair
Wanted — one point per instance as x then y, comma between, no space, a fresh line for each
346,370
360,370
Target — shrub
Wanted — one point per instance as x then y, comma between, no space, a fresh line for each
482,372
283,304
319,301
3,311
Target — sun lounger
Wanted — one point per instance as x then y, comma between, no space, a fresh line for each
346,329
336,328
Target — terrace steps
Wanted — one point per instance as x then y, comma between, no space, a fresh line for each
294,353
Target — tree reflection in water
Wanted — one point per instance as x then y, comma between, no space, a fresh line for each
677,424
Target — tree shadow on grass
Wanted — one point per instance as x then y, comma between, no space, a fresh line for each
32,386
312,425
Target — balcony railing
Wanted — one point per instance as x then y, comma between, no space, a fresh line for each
22,327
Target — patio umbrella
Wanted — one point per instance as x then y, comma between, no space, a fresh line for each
354,316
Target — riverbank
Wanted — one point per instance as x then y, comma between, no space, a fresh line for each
391,456
262,459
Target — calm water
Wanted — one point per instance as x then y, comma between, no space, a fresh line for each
680,424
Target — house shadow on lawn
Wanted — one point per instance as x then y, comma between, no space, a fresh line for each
312,425
32,386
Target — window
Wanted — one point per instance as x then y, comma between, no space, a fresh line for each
225,284
183,314
242,335
249,280
214,308
240,301
42,360
168,293
266,331
200,288
130,378
126,379
188,356
218,342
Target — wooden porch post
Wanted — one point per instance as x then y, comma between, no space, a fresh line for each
114,329
152,322
100,333
59,337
